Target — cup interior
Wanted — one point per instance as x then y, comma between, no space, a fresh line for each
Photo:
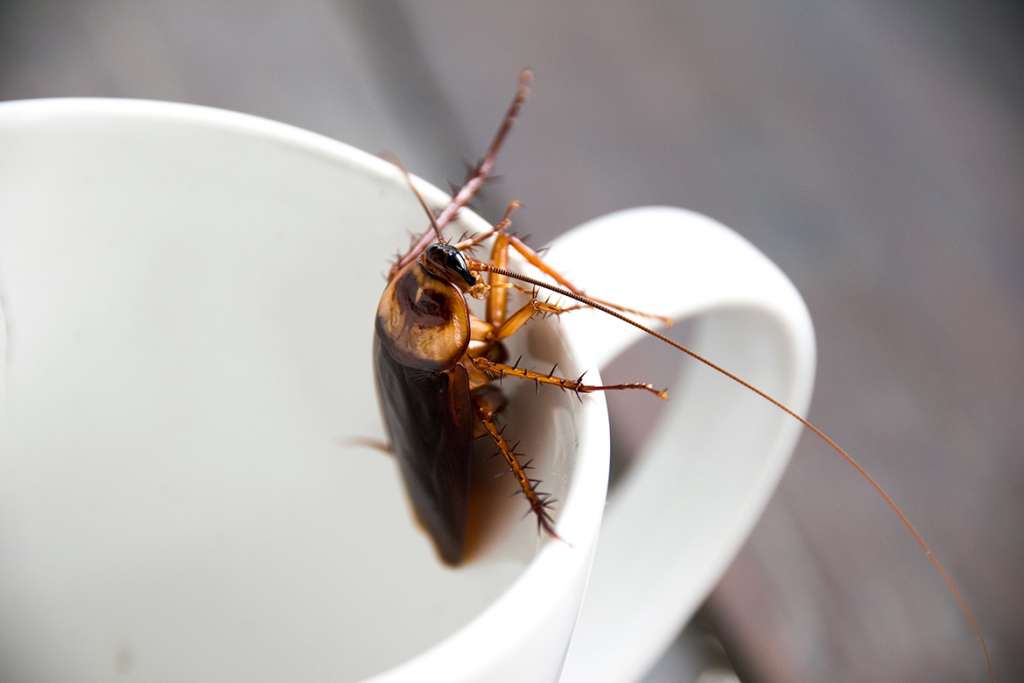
187,316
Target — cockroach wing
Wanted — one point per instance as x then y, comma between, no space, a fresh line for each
429,420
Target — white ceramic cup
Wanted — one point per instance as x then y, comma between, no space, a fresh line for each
187,299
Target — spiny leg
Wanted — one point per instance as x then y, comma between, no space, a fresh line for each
500,370
369,442
520,317
497,296
480,329
502,226
496,288
540,502
535,260
484,331
498,285
476,180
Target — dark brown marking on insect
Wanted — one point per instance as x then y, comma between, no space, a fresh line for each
426,307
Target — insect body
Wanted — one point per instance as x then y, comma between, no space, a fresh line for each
421,336
436,364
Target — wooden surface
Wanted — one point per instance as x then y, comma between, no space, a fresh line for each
874,151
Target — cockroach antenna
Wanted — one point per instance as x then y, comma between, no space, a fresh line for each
481,173
951,586
423,203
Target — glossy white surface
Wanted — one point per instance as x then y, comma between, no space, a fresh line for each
717,452
188,296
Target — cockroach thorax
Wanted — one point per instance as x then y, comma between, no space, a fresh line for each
423,320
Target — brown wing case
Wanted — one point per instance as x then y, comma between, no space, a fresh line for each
429,418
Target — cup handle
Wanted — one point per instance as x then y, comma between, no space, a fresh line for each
711,464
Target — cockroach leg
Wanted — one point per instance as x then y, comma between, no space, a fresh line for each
479,329
480,174
498,285
535,260
496,370
488,401
515,321
370,442
497,297
464,243
540,502
519,318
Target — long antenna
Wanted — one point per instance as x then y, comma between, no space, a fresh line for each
946,578
481,173
419,197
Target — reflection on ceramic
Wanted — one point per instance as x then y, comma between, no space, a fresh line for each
188,297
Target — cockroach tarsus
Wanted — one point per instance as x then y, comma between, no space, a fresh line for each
436,365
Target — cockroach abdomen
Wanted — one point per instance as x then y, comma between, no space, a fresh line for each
429,419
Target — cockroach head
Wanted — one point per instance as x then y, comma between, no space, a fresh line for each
446,262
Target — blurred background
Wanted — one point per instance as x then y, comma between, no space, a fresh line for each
872,149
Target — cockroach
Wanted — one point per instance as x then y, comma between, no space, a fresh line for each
436,365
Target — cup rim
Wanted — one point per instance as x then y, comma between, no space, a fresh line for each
557,566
